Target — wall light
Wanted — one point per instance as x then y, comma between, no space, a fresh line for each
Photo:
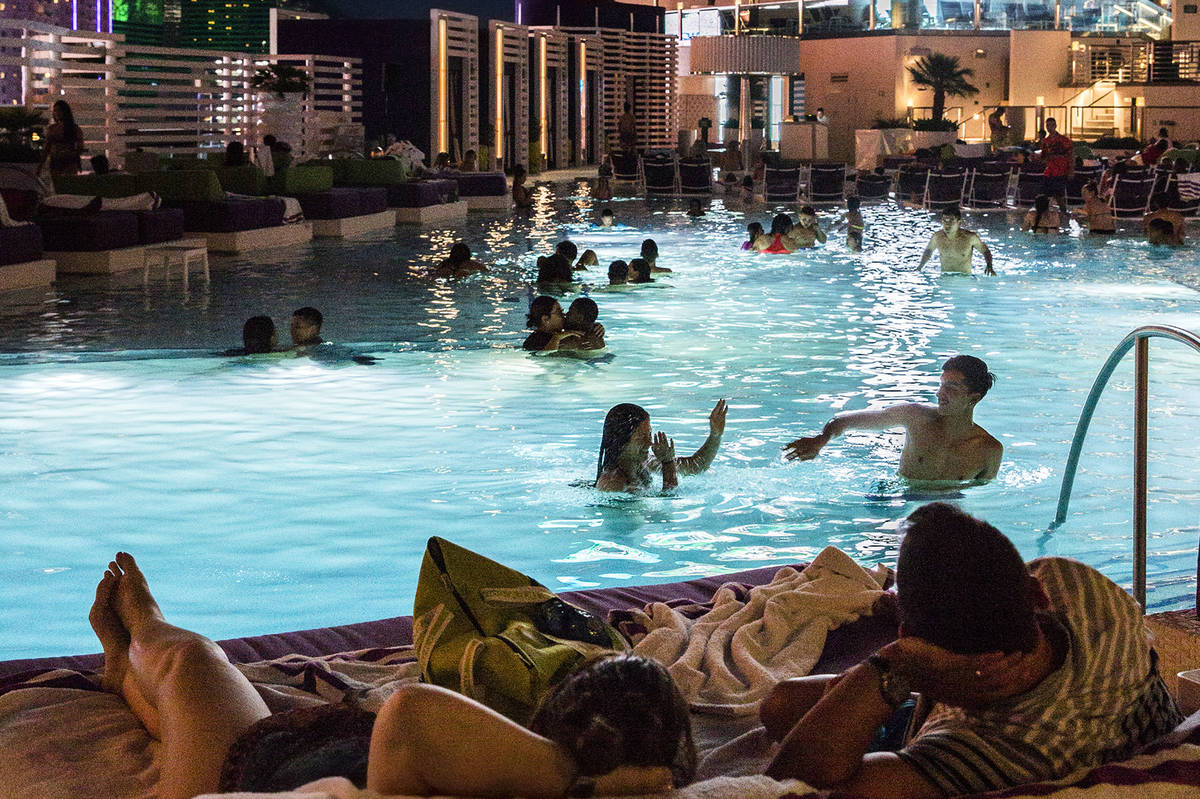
1040,100
498,134
443,89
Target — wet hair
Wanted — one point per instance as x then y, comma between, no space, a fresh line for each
554,269
619,710
257,334
1041,204
585,309
754,230
309,315
781,225
618,272
808,210
541,306
1161,226
853,203
459,254
235,154
952,210
619,424
70,127
642,267
605,212
962,585
589,258
568,250
974,371
649,249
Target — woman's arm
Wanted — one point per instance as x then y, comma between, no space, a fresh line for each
429,741
664,452
699,462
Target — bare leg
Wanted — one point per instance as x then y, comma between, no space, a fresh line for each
788,701
179,683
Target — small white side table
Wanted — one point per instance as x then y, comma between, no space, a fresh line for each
184,251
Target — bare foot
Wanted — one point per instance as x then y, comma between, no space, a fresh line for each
111,632
132,599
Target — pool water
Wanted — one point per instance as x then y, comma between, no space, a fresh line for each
279,493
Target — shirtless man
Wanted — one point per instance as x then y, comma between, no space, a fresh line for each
954,245
943,443
306,327
807,231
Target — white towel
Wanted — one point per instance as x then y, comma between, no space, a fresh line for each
728,659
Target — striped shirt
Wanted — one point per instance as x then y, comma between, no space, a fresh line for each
1105,701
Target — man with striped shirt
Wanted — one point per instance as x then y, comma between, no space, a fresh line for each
1027,673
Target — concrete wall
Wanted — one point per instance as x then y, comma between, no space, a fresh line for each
1040,64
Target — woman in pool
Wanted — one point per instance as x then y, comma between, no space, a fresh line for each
639,271
617,724
753,231
1041,219
1095,214
625,462
778,241
459,263
547,320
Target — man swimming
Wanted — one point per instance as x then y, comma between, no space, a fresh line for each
306,327
955,245
943,443
807,231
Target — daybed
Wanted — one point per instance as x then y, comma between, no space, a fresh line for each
65,738
416,201
21,263
483,191
109,241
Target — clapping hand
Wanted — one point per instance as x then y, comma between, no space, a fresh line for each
663,447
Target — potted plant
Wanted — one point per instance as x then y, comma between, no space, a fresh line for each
284,88
21,127
730,129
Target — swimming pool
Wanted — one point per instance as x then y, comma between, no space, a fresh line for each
285,493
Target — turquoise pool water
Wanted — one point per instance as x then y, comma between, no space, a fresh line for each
283,493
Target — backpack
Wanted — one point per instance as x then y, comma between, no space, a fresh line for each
496,635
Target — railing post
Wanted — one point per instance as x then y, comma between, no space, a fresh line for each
1140,423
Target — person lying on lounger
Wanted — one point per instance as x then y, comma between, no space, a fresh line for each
616,725
626,463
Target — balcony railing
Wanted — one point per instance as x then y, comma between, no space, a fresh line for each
1135,62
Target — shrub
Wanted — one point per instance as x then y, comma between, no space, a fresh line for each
1115,143
883,123
935,124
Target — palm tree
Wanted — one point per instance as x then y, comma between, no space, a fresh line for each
945,76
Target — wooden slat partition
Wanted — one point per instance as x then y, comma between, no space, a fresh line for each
509,116
551,79
454,36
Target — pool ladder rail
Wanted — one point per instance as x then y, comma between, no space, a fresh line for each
1139,340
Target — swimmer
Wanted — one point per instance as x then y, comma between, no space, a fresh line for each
748,197
618,273
567,249
1041,219
606,218
855,226
695,209
604,182
753,231
955,245
942,442
306,327
587,259
554,269
1095,214
547,321
779,240
521,196
1162,225
807,232
639,271
581,319
459,263
650,255
625,461
258,337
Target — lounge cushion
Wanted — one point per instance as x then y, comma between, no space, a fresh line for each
231,216
108,230
111,185
247,179
422,193
20,244
301,179
188,185
333,204
481,184
368,172
372,200
159,225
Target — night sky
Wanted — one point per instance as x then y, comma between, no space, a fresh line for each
419,9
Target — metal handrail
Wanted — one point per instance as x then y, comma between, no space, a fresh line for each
1139,338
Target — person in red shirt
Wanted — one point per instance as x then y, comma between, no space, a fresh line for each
1059,155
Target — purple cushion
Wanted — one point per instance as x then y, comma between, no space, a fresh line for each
482,184
231,216
337,203
159,225
422,193
372,201
20,244
108,230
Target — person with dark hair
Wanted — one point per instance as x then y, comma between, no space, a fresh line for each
520,193
747,191
1041,219
459,263
281,152
753,231
625,462
1153,151
695,208
955,245
581,319
807,232
1163,225
606,217
258,335
554,269
649,254
1160,231
855,225
588,258
64,141
618,273
942,441
306,327
1096,214
235,154
616,724
639,271
778,241
567,249
546,319
1025,673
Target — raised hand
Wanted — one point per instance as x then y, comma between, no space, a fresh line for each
716,419
663,447
963,680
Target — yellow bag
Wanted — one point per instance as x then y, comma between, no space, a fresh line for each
496,635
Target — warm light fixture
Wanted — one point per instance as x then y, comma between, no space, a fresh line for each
583,134
1040,100
443,88
498,135
542,96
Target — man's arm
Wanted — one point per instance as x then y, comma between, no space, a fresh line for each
818,233
978,244
699,462
995,455
896,416
929,248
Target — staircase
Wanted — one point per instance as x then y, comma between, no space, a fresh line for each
1091,111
